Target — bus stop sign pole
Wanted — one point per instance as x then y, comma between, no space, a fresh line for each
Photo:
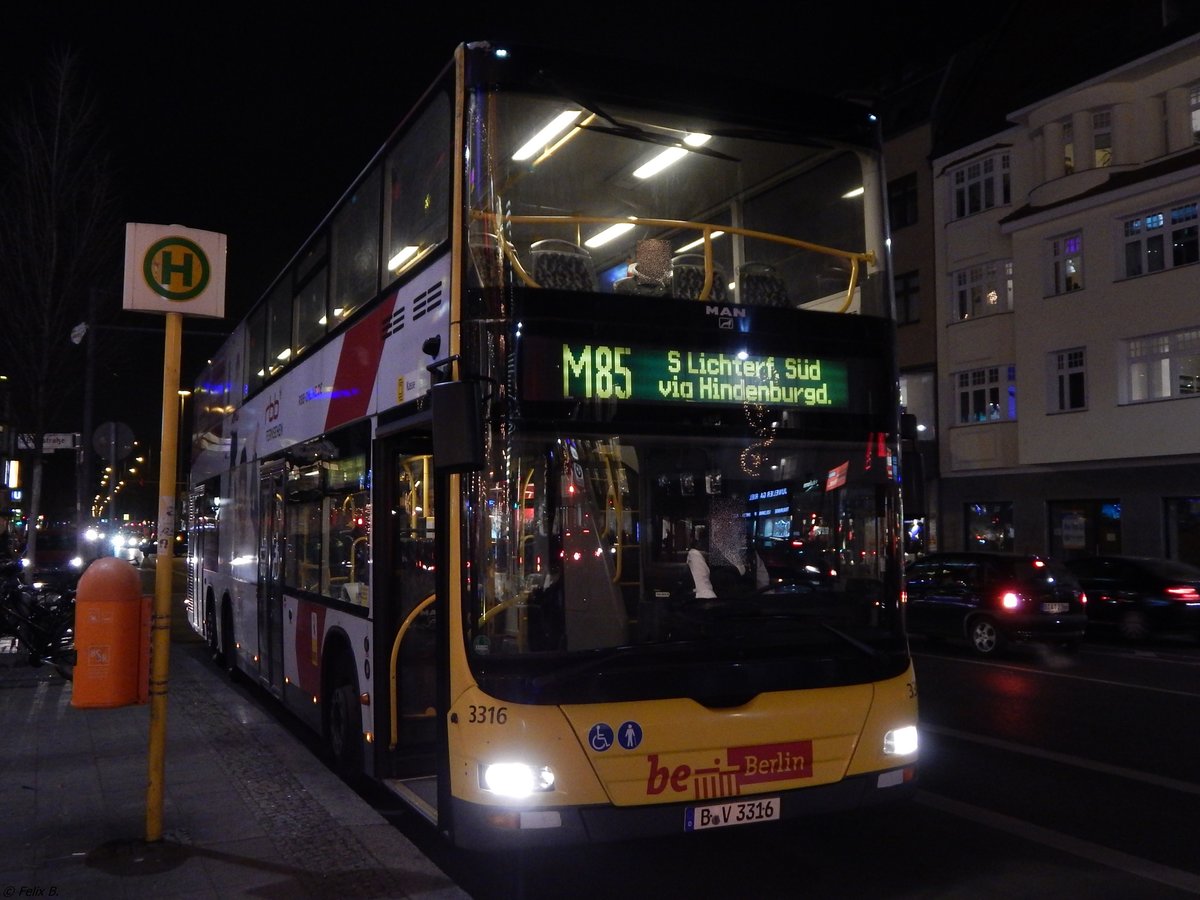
175,271
160,617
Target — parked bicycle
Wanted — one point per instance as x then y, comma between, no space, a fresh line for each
40,617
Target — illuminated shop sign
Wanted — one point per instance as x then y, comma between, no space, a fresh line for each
612,372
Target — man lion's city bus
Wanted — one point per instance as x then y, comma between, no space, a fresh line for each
555,480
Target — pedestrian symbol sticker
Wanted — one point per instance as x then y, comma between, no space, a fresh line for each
629,734
600,737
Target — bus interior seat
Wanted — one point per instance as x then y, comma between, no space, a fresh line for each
637,283
687,278
562,265
759,284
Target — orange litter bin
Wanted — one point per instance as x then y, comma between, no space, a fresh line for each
112,637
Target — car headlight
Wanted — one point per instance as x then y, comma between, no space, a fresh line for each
512,779
900,741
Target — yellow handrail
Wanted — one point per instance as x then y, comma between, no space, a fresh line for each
514,600
854,257
354,558
405,625
614,491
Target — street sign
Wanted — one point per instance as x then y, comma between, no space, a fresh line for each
113,440
171,269
50,442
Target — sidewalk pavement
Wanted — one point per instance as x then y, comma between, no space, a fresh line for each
248,811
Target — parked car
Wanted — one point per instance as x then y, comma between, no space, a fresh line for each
993,598
1139,596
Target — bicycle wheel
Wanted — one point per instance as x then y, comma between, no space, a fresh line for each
62,647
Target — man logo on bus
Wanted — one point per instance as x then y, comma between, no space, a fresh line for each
742,766
725,312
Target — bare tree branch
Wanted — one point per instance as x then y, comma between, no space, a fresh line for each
57,236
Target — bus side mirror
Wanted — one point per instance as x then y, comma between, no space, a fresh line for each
457,427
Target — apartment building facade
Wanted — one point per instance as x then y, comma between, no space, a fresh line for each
1068,307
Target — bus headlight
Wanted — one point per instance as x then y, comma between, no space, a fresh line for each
512,779
900,741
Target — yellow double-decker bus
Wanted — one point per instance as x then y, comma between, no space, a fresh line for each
556,478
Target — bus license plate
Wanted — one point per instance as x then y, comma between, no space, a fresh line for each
740,812
1055,607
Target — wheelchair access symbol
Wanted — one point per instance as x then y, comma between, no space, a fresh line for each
601,736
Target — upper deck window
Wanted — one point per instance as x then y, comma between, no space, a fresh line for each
417,212
622,199
355,256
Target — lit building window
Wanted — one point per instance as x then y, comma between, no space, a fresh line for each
1161,366
1161,240
987,395
1102,139
1067,263
982,290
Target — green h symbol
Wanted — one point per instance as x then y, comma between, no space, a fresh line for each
168,268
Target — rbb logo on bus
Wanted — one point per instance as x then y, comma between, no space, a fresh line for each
272,413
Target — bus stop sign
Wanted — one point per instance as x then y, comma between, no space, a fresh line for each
173,269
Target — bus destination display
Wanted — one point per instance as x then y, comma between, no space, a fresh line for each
678,375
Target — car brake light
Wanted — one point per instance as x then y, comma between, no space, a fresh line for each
1010,600
1186,593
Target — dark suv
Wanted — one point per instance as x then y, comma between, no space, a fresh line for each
992,598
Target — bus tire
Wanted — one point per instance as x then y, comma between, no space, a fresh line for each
210,630
343,727
228,658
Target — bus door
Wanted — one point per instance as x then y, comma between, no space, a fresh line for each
405,601
270,569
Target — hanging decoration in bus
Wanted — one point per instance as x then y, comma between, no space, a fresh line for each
678,375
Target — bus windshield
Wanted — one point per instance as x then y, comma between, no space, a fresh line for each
733,549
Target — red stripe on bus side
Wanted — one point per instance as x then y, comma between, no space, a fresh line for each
358,364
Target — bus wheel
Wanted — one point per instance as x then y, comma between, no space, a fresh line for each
228,655
344,729
210,632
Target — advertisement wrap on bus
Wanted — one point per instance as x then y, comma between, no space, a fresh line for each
556,481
